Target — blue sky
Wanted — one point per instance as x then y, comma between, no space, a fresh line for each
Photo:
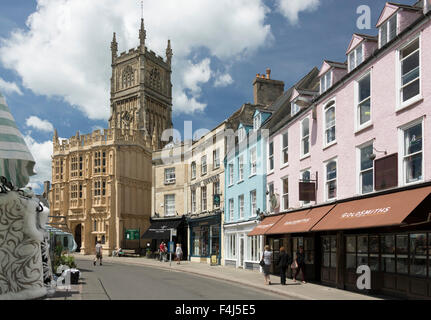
264,36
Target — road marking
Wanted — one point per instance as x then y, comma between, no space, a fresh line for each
104,289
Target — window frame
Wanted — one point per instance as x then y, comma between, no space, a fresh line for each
401,159
283,149
257,121
388,24
326,107
294,107
359,148
324,78
240,168
305,203
358,125
231,173
283,194
170,180
241,206
204,164
193,170
271,157
204,200
326,181
166,214
253,212
354,53
231,209
302,154
216,159
253,162
400,105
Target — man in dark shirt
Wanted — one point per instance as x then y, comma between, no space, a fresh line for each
300,260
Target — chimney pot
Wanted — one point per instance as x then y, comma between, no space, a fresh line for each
268,73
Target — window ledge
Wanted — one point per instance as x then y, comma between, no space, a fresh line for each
270,172
330,145
240,181
284,165
305,156
363,127
252,175
409,102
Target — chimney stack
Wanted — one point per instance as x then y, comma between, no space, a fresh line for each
266,90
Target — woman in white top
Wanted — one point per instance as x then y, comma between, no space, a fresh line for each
267,258
179,253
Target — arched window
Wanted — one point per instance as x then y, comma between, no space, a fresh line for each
330,122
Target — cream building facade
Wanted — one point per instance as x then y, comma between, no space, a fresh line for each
101,182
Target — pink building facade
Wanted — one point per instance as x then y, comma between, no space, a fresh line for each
365,136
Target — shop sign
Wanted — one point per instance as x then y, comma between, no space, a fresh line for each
132,234
363,213
264,226
307,191
386,172
287,223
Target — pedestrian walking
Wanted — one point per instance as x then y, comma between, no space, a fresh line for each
162,250
300,262
98,251
283,261
178,253
267,258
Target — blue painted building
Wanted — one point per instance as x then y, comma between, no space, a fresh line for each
245,191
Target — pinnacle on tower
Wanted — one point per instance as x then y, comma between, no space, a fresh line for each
55,138
142,33
169,53
114,47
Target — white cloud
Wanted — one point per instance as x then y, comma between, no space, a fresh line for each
291,8
223,80
9,87
39,124
65,50
42,153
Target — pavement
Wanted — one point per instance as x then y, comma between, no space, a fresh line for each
248,278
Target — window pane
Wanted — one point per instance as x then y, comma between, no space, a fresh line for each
306,176
332,189
334,244
373,262
330,134
359,55
418,252
363,244
414,168
306,146
367,182
409,65
333,260
305,127
374,244
366,162
409,49
365,112
271,148
364,88
388,244
285,140
392,27
331,169
328,80
352,60
326,259
411,90
402,253
326,245
351,244
362,259
351,260
388,263
384,34
413,139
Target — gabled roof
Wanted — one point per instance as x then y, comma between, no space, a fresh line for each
327,65
357,38
390,8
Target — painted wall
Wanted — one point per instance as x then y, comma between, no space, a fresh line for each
383,131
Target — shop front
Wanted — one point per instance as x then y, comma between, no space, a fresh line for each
205,238
241,251
389,233
159,231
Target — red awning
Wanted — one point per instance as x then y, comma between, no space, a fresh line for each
384,210
300,221
264,225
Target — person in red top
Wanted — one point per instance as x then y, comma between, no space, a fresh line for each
162,250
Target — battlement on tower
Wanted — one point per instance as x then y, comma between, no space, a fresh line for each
99,138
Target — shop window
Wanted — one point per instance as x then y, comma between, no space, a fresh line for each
402,244
429,255
254,248
329,248
373,259
200,238
362,258
215,239
308,246
388,253
351,252
418,255
231,246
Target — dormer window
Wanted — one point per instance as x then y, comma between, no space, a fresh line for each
325,81
294,109
356,57
388,30
257,121
241,134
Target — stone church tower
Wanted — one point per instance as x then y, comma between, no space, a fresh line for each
101,182
141,90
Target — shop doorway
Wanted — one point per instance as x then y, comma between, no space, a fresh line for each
275,245
78,237
329,259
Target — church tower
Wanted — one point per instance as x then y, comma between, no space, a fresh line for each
141,90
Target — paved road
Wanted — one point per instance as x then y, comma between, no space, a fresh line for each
130,282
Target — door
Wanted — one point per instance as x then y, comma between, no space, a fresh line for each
78,237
